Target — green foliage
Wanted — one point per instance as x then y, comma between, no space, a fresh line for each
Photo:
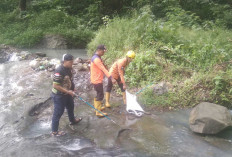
27,31
127,34
221,88
171,51
195,48
8,5
40,6
28,38
49,19
145,68
148,98
176,41
182,17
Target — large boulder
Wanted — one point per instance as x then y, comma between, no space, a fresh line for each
209,118
53,42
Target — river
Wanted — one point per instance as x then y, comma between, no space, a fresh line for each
25,118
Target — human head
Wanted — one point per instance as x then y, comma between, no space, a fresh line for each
101,49
130,55
67,60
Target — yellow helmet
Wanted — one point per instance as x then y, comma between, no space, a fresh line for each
131,54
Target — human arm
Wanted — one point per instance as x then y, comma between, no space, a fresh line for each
59,79
121,69
63,90
100,65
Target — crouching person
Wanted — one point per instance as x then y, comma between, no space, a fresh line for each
117,72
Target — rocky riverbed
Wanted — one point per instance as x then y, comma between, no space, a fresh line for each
26,111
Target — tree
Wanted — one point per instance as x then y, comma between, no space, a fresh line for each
22,5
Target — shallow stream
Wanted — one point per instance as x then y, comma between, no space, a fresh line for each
25,119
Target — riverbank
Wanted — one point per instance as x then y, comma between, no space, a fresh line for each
169,93
26,112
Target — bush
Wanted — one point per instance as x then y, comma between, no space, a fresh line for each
27,31
28,38
48,19
168,51
145,68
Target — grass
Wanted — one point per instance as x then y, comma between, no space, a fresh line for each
26,31
166,51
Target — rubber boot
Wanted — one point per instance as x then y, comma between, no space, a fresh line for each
107,99
102,107
94,103
98,106
124,97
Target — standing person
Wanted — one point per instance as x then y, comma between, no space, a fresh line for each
62,94
117,72
97,70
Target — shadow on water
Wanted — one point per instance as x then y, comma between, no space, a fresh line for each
226,134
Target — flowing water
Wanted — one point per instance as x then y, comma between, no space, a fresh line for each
25,129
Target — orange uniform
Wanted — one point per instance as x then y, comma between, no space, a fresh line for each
97,70
117,69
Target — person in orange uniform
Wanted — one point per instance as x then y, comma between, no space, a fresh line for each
98,70
117,72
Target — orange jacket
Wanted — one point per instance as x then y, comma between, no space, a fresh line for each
97,70
117,69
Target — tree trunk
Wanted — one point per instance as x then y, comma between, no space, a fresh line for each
22,5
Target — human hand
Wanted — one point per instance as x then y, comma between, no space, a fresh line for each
124,86
72,93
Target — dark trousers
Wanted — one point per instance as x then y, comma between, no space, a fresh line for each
100,92
60,103
110,85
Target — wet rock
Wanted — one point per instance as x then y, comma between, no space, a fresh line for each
8,53
161,88
34,64
77,61
18,56
209,118
85,67
24,55
77,67
51,69
80,65
29,94
44,63
40,54
55,62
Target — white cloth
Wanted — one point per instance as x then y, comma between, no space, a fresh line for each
132,105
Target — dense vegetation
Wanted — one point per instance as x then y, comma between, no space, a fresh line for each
186,42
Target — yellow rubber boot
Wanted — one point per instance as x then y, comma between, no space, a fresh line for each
98,106
95,103
102,107
124,97
107,99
